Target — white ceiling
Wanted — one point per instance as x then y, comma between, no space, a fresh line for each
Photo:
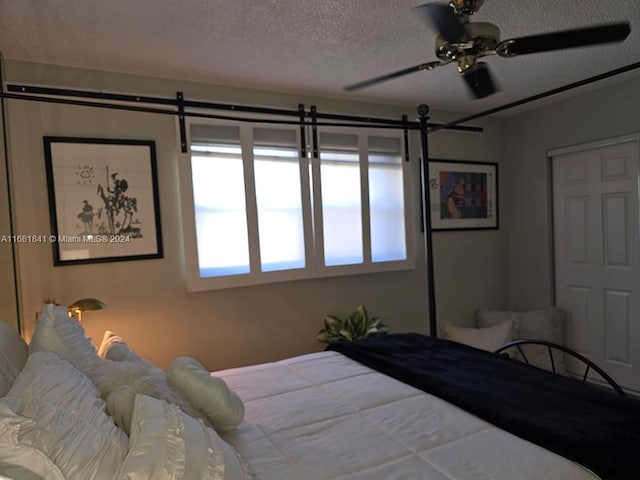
308,46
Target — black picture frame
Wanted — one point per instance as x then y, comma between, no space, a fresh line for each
103,200
463,195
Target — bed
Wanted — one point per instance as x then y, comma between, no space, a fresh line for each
361,423
325,415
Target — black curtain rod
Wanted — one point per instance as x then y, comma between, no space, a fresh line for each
33,93
548,93
135,108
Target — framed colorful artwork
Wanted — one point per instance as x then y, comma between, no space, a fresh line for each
463,195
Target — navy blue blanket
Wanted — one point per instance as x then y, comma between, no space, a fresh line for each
591,426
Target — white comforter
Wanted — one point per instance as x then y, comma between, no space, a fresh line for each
323,416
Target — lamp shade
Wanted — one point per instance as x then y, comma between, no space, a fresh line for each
87,304
84,305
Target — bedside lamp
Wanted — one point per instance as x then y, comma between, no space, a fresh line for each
83,305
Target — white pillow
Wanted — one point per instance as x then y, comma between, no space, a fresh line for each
111,378
544,324
208,394
489,339
13,356
69,424
57,332
113,347
120,406
52,378
167,444
20,461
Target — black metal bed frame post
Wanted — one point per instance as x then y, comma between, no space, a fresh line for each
7,166
423,112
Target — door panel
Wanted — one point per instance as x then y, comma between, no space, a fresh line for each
597,261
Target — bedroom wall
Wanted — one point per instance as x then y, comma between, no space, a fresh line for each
609,111
147,302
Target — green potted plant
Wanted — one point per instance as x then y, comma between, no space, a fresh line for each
354,326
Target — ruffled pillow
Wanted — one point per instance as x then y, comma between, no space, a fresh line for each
18,460
120,406
13,356
139,377
67,419
58,333
210,395
167,443
187,384
113,347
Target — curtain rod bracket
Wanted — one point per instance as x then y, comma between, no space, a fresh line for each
303,130
405,122
183,128
314,130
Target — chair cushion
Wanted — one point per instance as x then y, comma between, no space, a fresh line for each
484,338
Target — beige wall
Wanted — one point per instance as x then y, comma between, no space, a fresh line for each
147,300
470,266
610,111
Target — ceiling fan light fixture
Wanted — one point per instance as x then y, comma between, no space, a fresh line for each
467,63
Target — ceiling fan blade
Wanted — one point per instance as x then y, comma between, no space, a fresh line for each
480,81
389,76
444,21
580,37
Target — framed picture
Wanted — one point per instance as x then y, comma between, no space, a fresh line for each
103,200
463,195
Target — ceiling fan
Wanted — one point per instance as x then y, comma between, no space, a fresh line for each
464,42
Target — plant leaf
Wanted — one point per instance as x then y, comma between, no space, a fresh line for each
323,337
346,334
330,321
354,326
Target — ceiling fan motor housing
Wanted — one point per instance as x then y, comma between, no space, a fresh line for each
483,40
466,7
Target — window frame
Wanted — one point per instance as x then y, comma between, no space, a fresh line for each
368,266
311,211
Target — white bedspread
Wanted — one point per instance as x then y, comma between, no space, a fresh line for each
323,416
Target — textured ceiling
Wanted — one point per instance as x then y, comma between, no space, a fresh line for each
308,46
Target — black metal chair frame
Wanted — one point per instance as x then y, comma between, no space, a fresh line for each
554,346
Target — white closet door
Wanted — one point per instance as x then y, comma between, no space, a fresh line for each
597,265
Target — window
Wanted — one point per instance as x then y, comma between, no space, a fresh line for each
255,211
279,201
386,200
219,199
341,199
